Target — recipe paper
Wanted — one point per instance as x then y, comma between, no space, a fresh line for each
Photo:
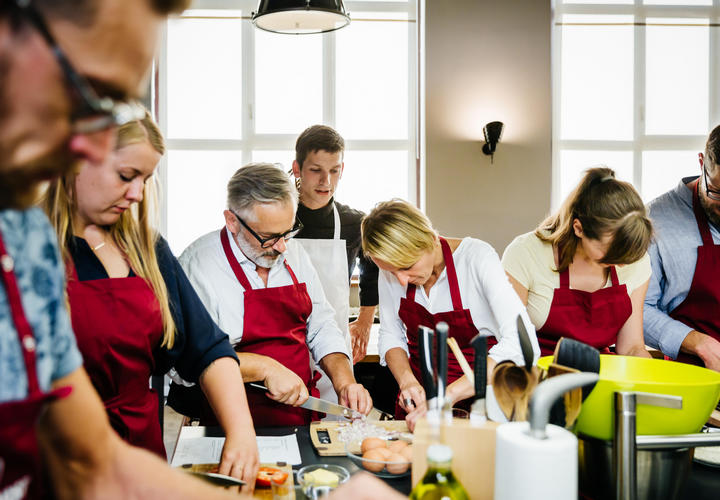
207,450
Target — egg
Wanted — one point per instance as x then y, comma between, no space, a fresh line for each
374,454
397,468
397,446
407,452
372,443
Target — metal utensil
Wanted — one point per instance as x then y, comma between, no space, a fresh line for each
478,412
217,479
441,331
525,344
324,406
425,350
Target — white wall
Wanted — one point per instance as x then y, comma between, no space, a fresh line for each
488,60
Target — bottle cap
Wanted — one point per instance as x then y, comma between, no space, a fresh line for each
439,453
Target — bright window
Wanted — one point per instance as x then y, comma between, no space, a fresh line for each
228,94
635,88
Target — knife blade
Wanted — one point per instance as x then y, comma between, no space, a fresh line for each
525,343
319,405
441,331
324,406
217,479
425,350
477,410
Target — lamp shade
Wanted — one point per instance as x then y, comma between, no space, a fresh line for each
299,17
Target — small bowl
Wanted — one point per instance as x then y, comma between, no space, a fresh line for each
312,491
353,451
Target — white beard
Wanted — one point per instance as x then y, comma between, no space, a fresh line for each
264,258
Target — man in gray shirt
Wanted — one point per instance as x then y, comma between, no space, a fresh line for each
682,304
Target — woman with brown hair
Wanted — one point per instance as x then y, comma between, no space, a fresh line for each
133,310
584,271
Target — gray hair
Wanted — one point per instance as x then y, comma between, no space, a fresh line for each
260,183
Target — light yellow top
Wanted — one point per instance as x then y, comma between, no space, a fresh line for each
531,262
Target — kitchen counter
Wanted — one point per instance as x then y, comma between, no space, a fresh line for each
308,455
703,484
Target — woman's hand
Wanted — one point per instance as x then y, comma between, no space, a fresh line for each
240,457
412,396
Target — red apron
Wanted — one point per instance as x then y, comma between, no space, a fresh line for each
20,463
118,324
275,325
459,321
594,318
699,310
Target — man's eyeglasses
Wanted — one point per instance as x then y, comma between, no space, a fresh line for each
710,193
92,113
269,242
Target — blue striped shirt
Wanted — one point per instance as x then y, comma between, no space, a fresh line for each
673,255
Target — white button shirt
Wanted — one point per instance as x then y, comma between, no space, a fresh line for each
484,289
208,269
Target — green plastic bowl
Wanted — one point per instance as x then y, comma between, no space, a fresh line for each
699,388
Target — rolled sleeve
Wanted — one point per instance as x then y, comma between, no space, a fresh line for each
661,331
506,307
392,331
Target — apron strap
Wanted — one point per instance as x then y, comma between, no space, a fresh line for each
24,331
451,275
337,227
701,218
565,278
234,264
614,276
292,274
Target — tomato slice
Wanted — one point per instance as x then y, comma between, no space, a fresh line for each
266,474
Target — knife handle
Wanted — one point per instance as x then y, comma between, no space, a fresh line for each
425,351
479,344
441,331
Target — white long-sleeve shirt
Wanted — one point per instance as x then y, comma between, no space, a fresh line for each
206,265
485,291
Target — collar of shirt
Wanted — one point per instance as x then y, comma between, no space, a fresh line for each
321,212
683,190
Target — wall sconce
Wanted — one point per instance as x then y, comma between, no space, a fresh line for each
300,17
492,132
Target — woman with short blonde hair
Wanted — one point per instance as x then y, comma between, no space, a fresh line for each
584,271
426,278
133,310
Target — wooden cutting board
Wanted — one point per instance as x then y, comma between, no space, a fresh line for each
325,440
263,493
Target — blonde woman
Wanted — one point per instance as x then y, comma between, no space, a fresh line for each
426,278
133,309
584,271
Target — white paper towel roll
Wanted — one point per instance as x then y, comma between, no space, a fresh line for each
527,468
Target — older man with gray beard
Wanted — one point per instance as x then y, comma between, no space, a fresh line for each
682,302
261,288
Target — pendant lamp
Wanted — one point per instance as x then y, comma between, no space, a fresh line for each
299,17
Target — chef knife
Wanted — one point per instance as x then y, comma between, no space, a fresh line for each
218,479
425,350
441,332
479,344
525,344
324,406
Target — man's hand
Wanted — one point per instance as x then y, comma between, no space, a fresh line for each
707,349
360,332
240,459
356,397
284,386
412,417
412,396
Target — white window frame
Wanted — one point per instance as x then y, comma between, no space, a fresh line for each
252,141
640,141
